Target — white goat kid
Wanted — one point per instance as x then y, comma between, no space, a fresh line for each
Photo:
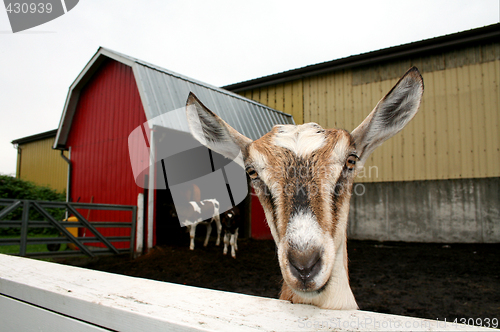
191,216
303,176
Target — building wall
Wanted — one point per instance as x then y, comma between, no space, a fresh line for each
453,211
108,110
286,97
39,163
455,135
437,180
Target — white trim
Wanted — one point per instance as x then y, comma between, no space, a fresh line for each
115,56
139,229
142,94
151,191
74,90
122,303
68,175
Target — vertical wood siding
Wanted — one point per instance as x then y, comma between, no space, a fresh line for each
108,110
455,135
285,97
38,163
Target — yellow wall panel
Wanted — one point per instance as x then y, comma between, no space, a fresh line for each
425,136
298,101
331,112
336,99
256,95
307,99
313,101
348,101
271,96
444,126
40,164
455,134
491,95
453,117
477,122
279,97
324,106
287,98
263,96
465,121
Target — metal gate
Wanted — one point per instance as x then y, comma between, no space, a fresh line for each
11,205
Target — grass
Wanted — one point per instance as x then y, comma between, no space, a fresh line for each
14,249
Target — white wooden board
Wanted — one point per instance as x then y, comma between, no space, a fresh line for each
133,304
18,316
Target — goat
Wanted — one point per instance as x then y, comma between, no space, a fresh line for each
303,176
191,214
230,225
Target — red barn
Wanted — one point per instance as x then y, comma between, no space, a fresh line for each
116,94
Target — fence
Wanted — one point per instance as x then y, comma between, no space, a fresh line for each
42,207
41,296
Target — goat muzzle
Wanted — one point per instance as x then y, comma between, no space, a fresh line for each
305,266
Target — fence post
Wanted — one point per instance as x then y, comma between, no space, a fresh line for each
139,231
24,228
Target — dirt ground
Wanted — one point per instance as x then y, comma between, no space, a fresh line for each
433,281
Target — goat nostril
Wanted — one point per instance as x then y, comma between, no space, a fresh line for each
306,265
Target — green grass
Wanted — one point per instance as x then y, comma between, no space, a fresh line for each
14,249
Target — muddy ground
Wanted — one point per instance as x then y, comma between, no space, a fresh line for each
432,281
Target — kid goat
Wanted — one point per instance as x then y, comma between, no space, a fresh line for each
303,176
230,225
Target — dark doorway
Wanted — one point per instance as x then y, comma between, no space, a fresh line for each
175,170
168,229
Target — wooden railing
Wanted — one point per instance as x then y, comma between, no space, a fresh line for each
42,296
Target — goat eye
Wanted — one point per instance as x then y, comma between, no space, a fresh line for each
351,162
252,173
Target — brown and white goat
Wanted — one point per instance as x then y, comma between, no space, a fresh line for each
303,176
231,222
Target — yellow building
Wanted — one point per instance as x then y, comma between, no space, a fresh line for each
39,163
438,179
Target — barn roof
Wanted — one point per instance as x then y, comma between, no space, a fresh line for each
490,33
36,137
163,91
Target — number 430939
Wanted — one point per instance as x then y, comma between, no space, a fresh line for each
32,8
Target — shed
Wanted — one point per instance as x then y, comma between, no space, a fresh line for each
116,95
38,163
437,180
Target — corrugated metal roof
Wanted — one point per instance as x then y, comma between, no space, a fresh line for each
164,94
489,33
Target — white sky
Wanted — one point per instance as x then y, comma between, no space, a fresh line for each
218,42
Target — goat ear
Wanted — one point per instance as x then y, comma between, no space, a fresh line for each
391,115
213,132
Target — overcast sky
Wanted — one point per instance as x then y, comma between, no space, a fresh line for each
218,42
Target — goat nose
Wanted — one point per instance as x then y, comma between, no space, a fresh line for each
305,265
